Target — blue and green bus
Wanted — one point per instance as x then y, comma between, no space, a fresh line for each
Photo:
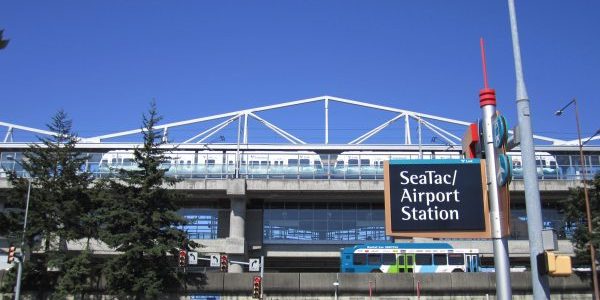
408,258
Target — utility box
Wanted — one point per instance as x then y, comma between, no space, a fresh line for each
549,240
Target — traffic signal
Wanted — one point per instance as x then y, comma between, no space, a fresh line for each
256,287
224,263
11,254
182,258
554,265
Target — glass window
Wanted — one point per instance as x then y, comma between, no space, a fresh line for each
292,162
456,259
339,164
201,223
210,162
350,223
374,259
401,260
304,162
440,259
423,259
409,260
353,162
389,259
365,162
359,259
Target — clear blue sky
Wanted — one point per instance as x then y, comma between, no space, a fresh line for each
103,61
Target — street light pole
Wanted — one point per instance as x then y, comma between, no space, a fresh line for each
585,195
21,259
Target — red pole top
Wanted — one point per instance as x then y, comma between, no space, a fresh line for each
487,96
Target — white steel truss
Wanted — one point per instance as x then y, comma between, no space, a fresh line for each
242,116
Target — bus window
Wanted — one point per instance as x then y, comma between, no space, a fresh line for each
440,259
409,260
423,259
456,259
401,260
389,259
359,259
374,259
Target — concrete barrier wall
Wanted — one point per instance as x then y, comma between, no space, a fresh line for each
389,285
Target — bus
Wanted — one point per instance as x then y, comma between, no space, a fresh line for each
408,258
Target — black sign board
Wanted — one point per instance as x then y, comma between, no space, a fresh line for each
436,198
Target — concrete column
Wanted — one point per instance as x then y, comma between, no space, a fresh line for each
237,236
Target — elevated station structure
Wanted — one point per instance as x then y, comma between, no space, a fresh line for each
299,199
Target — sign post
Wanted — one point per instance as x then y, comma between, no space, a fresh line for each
491,138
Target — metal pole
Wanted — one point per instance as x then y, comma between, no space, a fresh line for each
540,283
237,149
420,141
262,275
487,102
500,244
587,205
326,121
21,260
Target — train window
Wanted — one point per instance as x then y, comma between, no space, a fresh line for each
292,162
128,161
389,259
254,163
114,162
539,162
440,259
339,164
181,162
304,162
318,165
210,162
365,162
105,162
264,163
423,259
189,162
359,259
456,259
374,259
231,162
353,162
516,164
553,165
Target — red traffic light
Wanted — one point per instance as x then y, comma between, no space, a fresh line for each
224,263
11,254
182,258
256,287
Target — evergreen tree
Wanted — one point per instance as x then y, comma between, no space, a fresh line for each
576,218
140,219
60,208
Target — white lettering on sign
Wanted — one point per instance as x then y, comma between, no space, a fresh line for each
414,195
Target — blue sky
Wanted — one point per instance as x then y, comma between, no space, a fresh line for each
103,61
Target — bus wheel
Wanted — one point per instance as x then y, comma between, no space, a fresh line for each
457,271
376,271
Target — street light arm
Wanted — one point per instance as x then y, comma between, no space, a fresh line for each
560,111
